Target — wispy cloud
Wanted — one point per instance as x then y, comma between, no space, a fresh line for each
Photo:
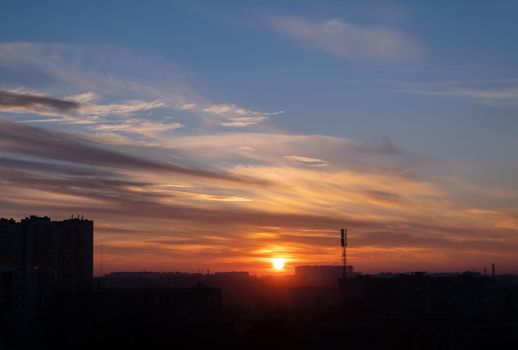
348,40
256,193
120,108
80,68
69,110
386,212
230,115
85,97
133,196
491,92
272,147
37,142
137,126
308,160
11,101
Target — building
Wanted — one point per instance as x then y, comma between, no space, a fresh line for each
62,250
11,244
321,275
40,258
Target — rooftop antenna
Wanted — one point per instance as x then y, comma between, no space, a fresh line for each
101,260
343,243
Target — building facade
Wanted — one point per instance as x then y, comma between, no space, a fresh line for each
40,258
321,275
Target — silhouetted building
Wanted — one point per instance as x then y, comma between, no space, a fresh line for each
40,258
133,318
61,249
321,275
46,303
315,298
232,276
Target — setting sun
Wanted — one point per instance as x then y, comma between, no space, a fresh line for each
278,263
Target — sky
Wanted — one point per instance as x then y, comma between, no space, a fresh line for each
221,134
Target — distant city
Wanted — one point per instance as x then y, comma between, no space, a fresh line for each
49,298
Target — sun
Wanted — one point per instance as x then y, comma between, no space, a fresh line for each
278,263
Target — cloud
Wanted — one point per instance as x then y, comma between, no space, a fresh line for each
491,92
393,218
308,160
271,148
348,40
137,126
36,142
235,116
22,103
52,168
244,233
489,97
127,107
229,115
78,109
15,102
497,94
127,87
84,97
243,121
233,198
187,107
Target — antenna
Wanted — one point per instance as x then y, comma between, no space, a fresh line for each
343,243
101,260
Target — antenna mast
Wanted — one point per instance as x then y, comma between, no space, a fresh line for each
101,260
343,241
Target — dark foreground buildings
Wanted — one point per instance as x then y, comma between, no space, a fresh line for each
61,251
386,311
49,301
39,258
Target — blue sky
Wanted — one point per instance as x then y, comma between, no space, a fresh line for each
418,99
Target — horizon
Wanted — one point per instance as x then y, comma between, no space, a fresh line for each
276,274
222,136
287,270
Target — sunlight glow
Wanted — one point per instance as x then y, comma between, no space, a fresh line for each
278,263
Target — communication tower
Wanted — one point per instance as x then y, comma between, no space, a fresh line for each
343,242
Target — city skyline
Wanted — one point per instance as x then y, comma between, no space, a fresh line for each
200,135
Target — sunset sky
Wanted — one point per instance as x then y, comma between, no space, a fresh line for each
219,135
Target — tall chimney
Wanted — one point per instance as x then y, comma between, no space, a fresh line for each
493,269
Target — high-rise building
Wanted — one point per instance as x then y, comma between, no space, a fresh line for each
40,258
62,250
